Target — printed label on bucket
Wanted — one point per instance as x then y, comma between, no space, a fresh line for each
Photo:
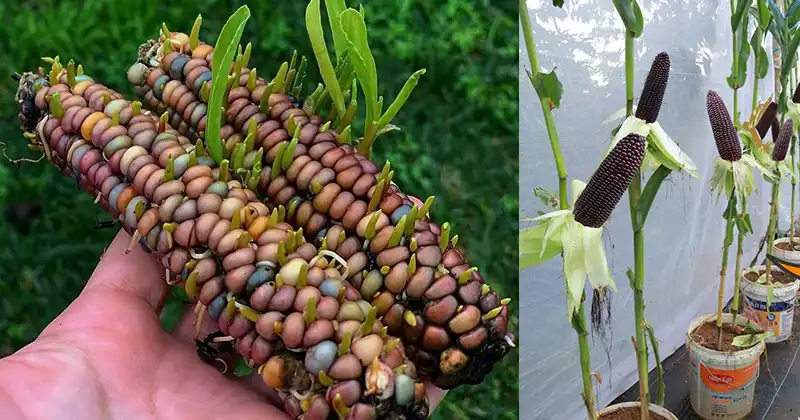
722,393
778,319
724,380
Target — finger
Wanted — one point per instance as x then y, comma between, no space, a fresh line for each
435,395
136,274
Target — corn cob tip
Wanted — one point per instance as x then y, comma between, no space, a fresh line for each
654,87
782,143
766,119
796,94
725,134
609,182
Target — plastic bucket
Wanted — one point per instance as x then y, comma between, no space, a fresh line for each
722,384
781,309
655,409
790,256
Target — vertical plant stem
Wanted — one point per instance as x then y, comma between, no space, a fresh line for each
773,219
755,88
634,193
578,319
794,189
738,269
546,108
737,82
726,244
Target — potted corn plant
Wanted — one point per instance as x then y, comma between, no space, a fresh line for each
663,156
726,345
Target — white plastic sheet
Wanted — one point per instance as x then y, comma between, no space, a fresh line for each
684,232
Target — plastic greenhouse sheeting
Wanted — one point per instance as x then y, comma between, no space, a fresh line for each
685,230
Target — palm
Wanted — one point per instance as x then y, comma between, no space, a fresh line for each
107,357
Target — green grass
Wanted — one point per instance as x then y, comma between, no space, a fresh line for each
459,139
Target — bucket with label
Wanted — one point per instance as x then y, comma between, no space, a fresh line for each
620,410
786,252
722,383
778,317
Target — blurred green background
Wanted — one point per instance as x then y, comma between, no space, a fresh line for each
459,139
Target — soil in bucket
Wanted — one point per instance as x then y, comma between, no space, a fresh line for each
629,413
706,336
777,277
784,246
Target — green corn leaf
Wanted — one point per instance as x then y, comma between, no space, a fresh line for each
548,87
760,54
626,12
558,3
750,340
763,16
649,195
227,42
777,15
335,9
793,14
638,23
400,100
790,54
317,38
358,48
739,13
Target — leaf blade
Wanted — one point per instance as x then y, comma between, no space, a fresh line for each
228,42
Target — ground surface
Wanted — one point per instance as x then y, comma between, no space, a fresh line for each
459,139
776,390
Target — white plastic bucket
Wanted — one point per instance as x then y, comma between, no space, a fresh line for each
791,256
781,309
655,409
722,384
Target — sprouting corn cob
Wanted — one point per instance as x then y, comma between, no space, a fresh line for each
331,356
356,178
725,135
454,327
654,87
766,120
606,187
782,143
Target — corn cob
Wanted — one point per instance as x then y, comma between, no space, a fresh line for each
174,154
796,94
776,128
356,178
654,87
605,188
782,143
766,119
725,135
80,136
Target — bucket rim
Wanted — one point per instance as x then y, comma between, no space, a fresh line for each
758,287
655,409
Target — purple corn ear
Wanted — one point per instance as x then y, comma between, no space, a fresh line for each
725,134
766,119
654,87
782,143
604,190
796,95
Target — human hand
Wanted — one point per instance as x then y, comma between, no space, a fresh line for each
107,357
